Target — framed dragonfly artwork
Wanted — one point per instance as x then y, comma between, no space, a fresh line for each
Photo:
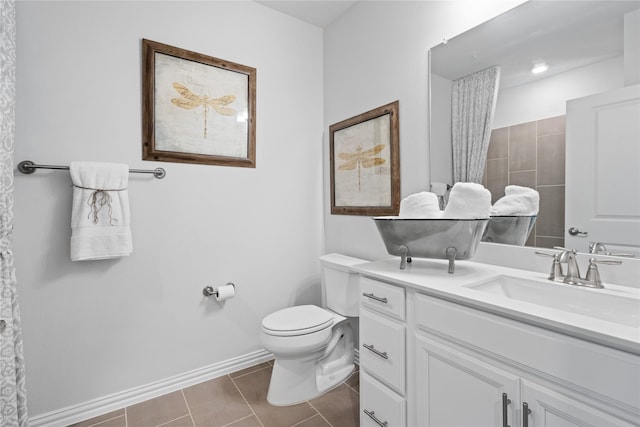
197,108
365,163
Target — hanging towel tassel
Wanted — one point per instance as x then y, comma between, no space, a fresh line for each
98,200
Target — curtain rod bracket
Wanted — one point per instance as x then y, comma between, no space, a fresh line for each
26,166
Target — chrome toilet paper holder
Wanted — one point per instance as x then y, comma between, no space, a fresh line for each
209,291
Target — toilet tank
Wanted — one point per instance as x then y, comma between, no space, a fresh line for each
340,283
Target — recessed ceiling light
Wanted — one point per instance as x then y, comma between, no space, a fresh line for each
539,68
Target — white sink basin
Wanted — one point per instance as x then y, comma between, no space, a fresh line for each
595,303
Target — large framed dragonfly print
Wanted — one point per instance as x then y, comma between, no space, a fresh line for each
197,108
365,163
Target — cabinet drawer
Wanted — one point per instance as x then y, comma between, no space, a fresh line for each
382,349
382,297
379,403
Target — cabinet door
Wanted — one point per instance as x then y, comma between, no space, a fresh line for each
455,389
551,409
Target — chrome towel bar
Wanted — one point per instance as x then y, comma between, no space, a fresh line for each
29,167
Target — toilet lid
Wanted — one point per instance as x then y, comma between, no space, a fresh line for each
298,320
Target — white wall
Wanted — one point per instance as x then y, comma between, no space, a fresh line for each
101,327
375,54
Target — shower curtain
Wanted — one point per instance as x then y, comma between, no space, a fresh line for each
473,103
13,408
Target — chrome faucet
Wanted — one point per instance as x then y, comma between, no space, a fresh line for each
572,277
573,271
597,247
600,248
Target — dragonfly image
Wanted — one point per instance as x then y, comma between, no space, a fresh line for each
190,101
359,158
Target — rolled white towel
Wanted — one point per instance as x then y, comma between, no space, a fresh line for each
517,201
468,200
420,205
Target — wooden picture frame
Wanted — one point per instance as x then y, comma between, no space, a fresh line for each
365,163
197,108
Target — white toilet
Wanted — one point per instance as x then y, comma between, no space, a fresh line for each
313,346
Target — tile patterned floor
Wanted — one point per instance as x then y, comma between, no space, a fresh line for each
238,400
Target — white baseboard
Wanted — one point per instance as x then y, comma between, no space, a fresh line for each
103,405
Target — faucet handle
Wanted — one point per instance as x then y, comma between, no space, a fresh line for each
556,268
605,261
562,254
593,275
545,254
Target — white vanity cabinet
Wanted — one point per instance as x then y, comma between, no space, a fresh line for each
451,364
457,390
501,372
382,354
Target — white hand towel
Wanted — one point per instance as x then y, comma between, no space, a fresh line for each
517,201
468,200
420,205
100,220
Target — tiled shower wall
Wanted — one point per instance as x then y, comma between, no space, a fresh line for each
532,155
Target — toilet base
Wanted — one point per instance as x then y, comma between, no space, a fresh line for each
295,380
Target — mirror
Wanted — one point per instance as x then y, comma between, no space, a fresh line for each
584,45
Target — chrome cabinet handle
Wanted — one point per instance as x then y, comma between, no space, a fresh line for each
372,296
505,402
372,415
525,414
371,348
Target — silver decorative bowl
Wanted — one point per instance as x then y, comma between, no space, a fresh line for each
509,229
430,238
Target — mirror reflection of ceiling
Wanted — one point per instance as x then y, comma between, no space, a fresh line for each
574,34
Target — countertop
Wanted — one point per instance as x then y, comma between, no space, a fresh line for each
430,277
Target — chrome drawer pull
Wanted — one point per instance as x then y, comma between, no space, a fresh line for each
378,352
372,296
505,402
525,414
372,415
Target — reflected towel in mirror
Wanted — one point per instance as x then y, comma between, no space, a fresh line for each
518,201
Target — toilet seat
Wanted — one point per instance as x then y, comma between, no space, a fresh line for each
298,320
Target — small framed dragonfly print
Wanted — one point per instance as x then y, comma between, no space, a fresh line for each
365,163
197,108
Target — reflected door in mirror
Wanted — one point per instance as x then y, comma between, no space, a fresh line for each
602,197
